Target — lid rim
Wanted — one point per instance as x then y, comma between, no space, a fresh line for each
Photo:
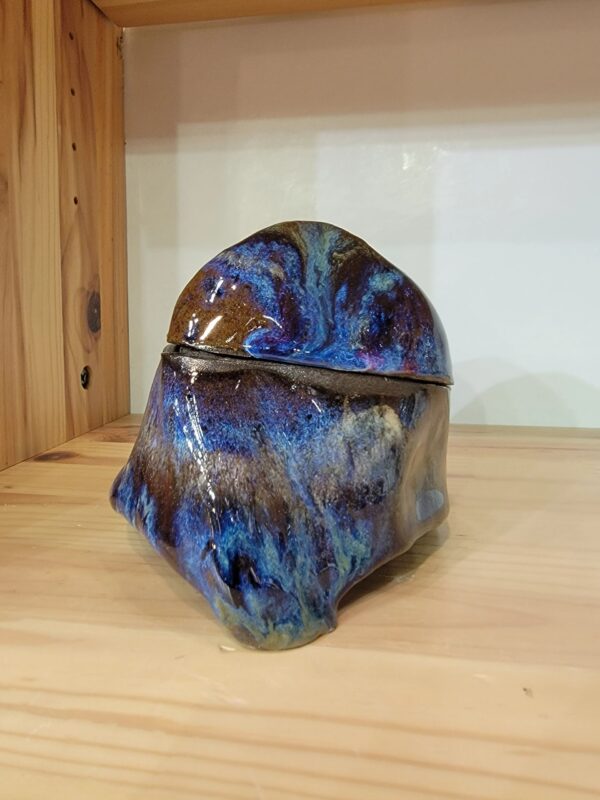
198,351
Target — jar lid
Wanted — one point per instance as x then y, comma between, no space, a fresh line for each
313,294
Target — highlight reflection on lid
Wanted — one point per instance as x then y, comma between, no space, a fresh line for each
311,293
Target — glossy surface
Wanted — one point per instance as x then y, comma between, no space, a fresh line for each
273,489
311,293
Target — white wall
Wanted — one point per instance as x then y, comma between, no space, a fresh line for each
462,142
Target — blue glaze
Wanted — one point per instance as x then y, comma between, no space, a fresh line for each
313,294
273,489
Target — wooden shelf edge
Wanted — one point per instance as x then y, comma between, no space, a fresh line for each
464,428
526,430
460,434
138,13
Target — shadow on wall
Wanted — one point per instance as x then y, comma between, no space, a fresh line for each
232,126
526,58
525,399
389,68
252,88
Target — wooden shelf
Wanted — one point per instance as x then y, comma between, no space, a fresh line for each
130,13
470,669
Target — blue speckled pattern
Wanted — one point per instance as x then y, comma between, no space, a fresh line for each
273,489
311,293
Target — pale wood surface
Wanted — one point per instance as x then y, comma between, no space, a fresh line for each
471,669
55,254
130,13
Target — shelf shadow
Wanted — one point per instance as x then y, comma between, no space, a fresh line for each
399,569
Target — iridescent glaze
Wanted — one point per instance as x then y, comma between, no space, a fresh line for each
274,488
311,293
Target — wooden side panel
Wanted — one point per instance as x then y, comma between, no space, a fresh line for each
32,394
92,216
155,12
63,295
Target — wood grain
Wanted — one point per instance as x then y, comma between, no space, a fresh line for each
130,13
32,395
92,215
62,264
468,668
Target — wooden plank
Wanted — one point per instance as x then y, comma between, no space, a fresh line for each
32,398
156,12
92,219
63,282
468,668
